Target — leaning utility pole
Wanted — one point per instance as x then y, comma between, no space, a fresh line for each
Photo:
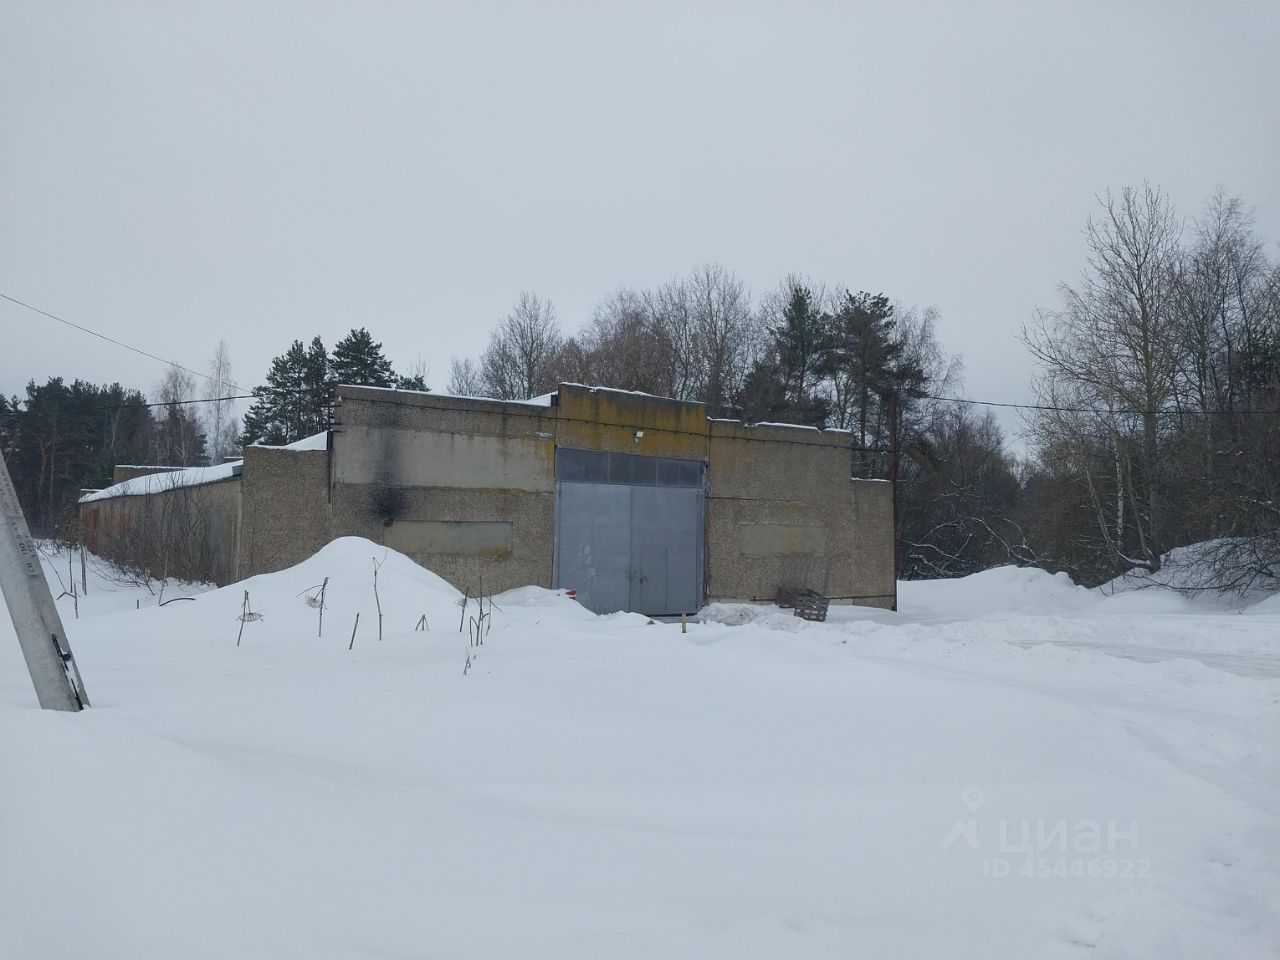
35,617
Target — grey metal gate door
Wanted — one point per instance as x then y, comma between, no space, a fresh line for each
629,531
593,544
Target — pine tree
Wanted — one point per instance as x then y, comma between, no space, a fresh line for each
62,438
412,382
295,401
864,363
358,360
762,396
317,383
801,346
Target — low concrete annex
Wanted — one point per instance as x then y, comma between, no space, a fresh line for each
637,502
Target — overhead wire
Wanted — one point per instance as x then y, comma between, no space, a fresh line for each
1047,408
119,343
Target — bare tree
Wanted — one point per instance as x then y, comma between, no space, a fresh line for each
517,363
672,309
416,376
465,377
624,346
712,331
1113,347
726,331
179,441
222,426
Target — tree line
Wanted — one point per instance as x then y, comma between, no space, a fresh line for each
1160,379
62,438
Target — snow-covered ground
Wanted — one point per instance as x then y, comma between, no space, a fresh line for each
1010,767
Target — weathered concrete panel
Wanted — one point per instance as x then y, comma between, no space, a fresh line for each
412,470
781,540
598,419
873,546
777,463
734,573
477,538
778,512
409,410
286,508
417,458
530,515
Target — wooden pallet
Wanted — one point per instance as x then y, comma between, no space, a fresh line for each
807,604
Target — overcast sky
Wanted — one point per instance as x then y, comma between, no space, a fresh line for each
176,173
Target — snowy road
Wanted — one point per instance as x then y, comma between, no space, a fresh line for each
1241,664
1148,626
1146,639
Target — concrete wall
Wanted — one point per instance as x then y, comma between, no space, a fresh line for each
467,488
873,544
590,419
464,487
191,533
778,512
286,508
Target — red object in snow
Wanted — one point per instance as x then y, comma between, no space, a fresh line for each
571,594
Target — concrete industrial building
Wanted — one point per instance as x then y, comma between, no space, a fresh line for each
636,502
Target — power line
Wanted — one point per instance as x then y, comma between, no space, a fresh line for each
118,343
1048,408
1118,411
174,403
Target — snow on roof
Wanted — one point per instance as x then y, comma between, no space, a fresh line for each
793,426
542,401
317,441
167,480
369,386
635,393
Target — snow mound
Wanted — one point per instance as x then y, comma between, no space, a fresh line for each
1269,606
1147,602
406,592
348,563
759,614
534,599
1192,571
1002,590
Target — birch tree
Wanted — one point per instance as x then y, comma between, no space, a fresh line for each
1112,347
222,427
